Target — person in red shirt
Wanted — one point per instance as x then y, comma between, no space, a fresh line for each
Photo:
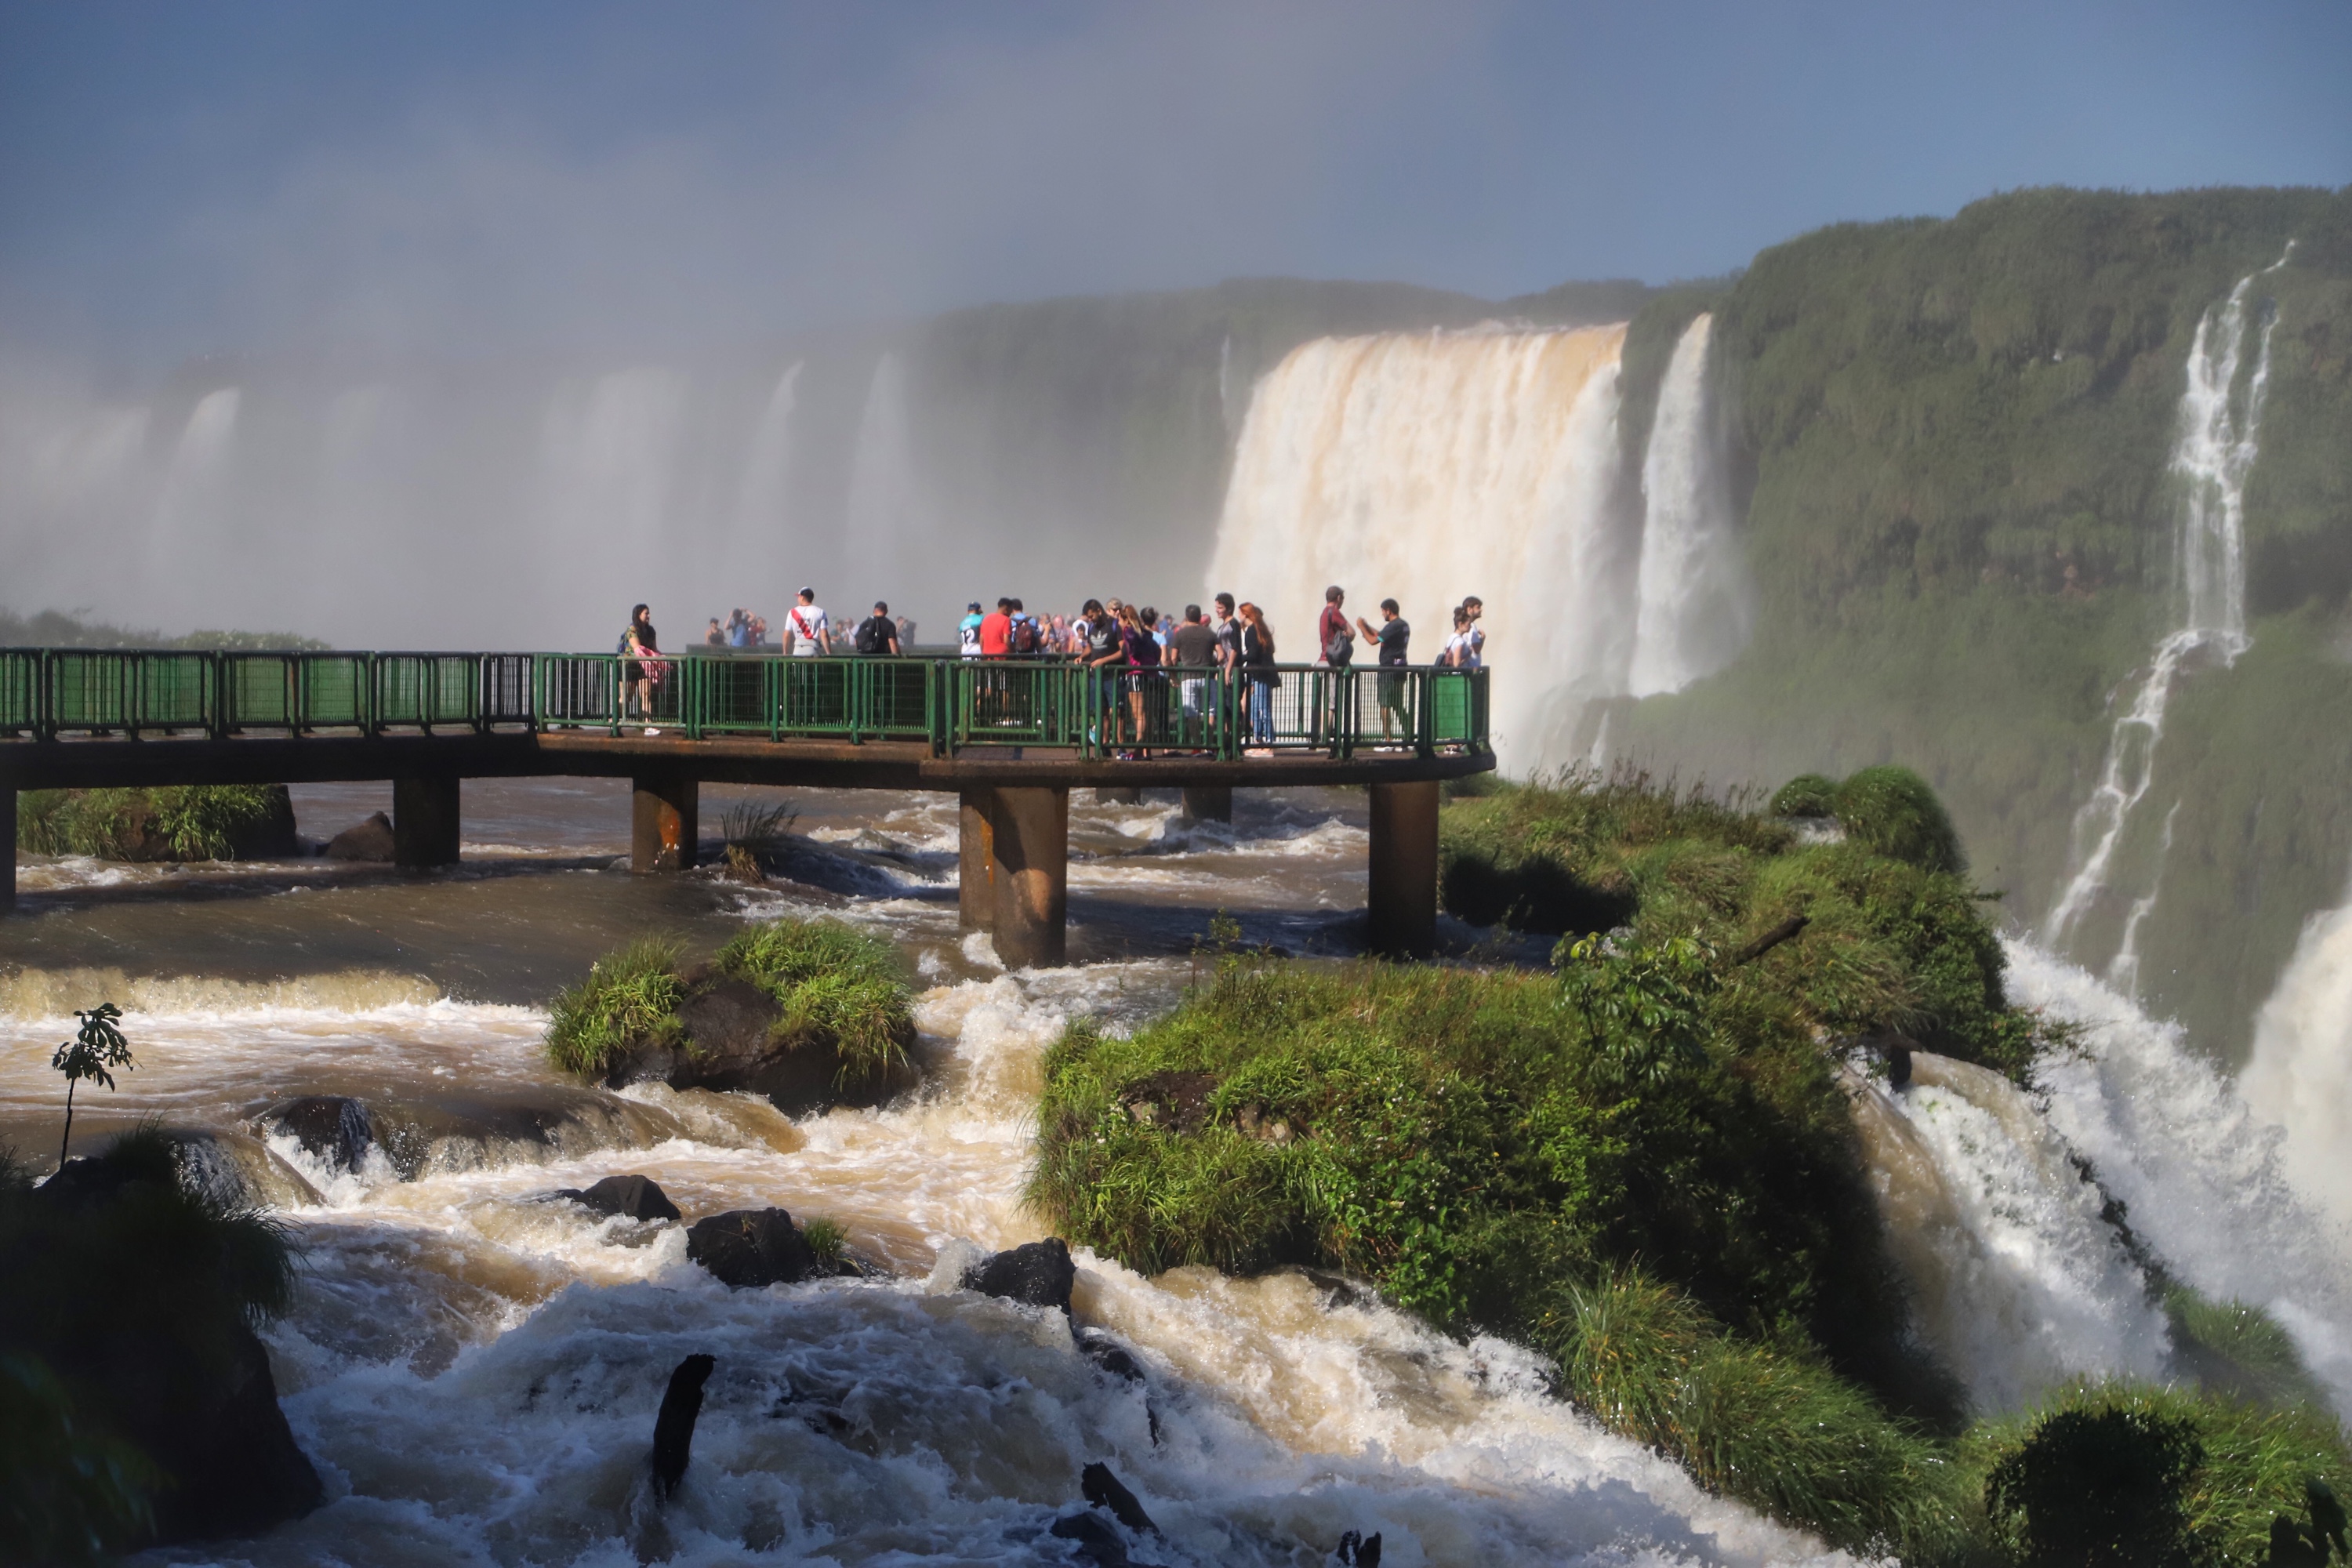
996,631
1335,640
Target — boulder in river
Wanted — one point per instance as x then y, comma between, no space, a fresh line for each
630,1197
440,1133
1039,1273
369,840
749,1247
674,1426
137,1287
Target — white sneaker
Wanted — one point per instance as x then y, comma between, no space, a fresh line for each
652,732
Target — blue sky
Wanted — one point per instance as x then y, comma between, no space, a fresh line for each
323,177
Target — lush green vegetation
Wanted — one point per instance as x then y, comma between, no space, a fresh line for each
124,1305
1895,939
171,822
1643,1163
628,999
835,988
1950,446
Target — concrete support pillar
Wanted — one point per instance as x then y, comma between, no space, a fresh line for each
425,821
1404,869
7,850
1119,795
1208,803
665,818
1030,839
976,859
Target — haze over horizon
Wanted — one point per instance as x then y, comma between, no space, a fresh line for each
341,181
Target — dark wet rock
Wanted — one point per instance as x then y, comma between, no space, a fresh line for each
1359,1551
1178,1102
749,1247
228,1171
681,1405
1108,1353
457,1133
730,1045
1097,1542
332,1129
1104,1489
630,1197
369,840
1039,1273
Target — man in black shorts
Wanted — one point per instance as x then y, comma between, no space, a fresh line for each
1390,636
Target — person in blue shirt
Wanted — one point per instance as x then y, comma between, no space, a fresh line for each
968,631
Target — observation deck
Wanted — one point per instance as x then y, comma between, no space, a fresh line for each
1011,737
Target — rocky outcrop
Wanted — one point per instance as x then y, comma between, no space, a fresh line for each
124,1243
1039,1274
369,840
730,1045
630,1197
745,1248
442,1133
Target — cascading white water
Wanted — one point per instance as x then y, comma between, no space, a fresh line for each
2219,428
1693,615
2300,1074
883,506
2017,1283
2196,1159
193,484
609,453
760,496
1430,467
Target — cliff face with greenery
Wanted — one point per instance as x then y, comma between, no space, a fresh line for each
1950,440
1644,1164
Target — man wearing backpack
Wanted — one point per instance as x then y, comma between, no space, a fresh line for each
877,634
1025,638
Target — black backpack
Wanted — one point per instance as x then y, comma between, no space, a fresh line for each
874,634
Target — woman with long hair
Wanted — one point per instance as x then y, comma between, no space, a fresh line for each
1257,669
1142,652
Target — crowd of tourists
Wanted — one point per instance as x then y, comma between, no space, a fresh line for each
1140,653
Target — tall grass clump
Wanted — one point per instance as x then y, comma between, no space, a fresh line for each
178,822
1761,1422
835,984
628,999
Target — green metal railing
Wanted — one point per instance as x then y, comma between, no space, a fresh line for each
948,704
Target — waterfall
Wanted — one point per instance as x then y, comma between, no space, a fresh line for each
2300,1074
2198,1161
2219,429
760,497
1428,467
882,504
1693,615
608,458
191,489
2017,1281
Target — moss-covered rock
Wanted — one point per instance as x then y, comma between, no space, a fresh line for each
808,1013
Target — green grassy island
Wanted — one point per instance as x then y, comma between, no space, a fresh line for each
1644,1164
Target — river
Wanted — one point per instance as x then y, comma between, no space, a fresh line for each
474,1368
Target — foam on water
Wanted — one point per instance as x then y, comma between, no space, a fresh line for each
475,1365
2199,1172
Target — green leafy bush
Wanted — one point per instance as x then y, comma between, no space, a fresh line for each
1892,811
